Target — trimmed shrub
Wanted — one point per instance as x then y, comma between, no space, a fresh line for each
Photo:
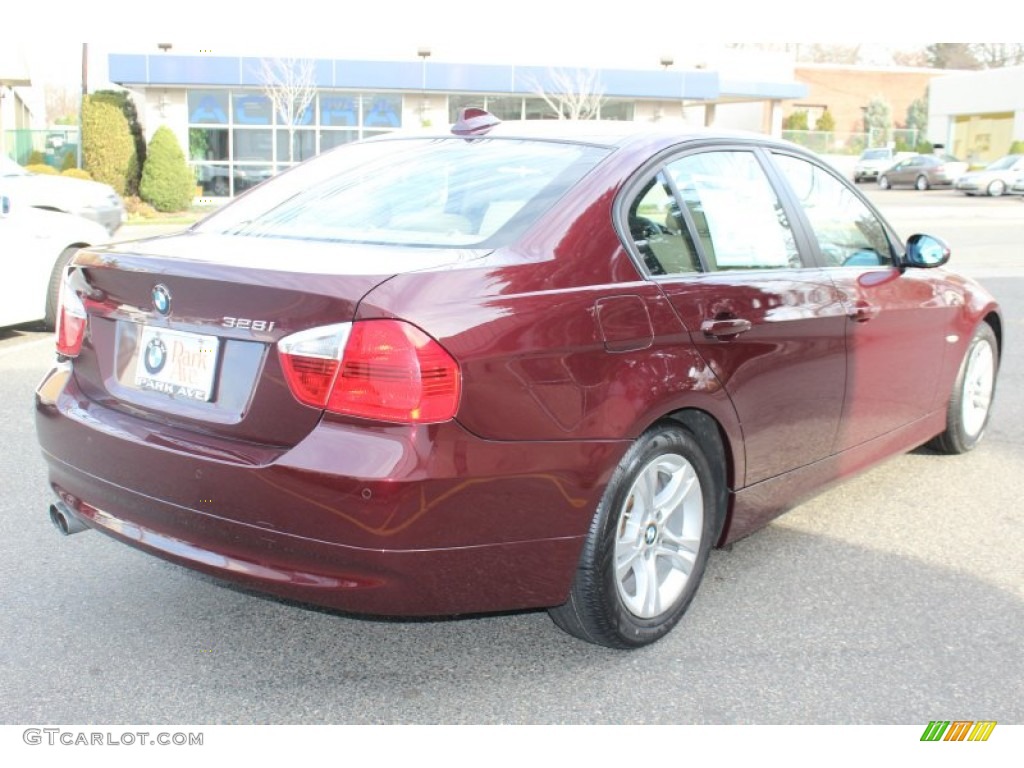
137,209
42,168
70,161
796,121
108,152
36,158
826,122
123,101
76,173
167,181
1016,148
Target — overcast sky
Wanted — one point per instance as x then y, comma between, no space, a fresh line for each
545,32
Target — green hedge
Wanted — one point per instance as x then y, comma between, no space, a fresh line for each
41,168
108,151
167,181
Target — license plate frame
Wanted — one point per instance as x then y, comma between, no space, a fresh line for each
179,364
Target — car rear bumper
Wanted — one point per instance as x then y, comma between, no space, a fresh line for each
371,519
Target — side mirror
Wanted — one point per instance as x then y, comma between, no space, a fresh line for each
926,251
5,206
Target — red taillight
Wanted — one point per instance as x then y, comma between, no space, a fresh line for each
71,320
378,369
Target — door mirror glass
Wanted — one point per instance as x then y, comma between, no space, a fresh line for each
926,251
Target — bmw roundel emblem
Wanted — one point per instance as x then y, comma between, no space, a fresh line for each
155,356
162,299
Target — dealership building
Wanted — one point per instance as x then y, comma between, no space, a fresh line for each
978,115
218,107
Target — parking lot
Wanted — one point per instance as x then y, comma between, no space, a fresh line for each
895,598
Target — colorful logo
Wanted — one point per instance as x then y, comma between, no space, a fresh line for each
162,299
155,355
958,730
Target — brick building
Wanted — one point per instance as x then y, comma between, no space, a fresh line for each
846,90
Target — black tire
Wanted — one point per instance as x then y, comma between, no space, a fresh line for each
996,188
221,188
628,543
921,183
970,404
53,287
883,182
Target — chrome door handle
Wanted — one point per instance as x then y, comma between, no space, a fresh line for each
725,328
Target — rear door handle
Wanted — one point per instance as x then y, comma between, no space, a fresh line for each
725,328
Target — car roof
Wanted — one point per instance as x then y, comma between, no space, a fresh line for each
602,133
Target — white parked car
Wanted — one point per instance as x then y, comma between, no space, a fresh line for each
993,180
872,162
35,245
89,199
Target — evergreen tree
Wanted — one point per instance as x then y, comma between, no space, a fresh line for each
167,181
108,152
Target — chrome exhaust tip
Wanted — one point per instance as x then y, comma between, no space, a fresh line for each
64,520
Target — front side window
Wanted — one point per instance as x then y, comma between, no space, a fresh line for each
848,233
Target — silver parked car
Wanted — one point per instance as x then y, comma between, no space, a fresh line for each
89,199
995,179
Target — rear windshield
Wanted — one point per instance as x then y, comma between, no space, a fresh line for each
428,192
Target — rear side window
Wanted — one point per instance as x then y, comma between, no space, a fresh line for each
658,231
427,192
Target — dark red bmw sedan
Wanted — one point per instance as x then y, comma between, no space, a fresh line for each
505,367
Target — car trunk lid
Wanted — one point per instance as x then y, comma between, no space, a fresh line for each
183,329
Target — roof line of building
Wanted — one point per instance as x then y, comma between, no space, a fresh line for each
438,77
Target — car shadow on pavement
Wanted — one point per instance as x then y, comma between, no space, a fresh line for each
789,627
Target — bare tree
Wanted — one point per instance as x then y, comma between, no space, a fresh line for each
951,56
61,104
290,84
993,55
915,57
830,53
573,94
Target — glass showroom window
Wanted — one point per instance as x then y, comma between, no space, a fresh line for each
616,109
236,140
209,148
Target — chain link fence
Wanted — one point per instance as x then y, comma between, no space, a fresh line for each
838,143
52,146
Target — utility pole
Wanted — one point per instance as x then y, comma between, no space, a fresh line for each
81,102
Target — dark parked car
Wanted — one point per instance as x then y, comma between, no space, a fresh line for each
505,367
923,172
